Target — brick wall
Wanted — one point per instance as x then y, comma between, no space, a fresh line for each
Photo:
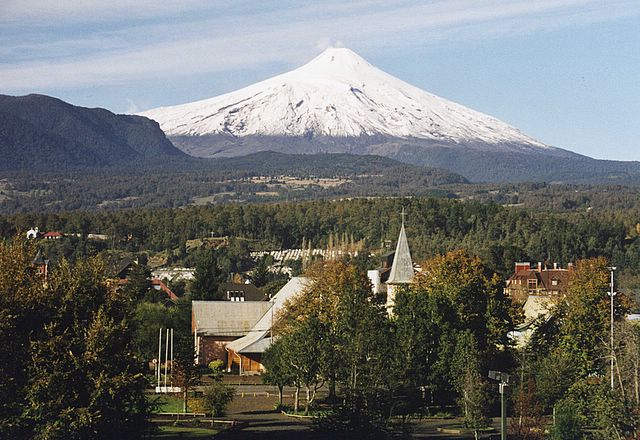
212,348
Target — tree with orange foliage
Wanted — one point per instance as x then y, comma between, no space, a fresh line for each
355,336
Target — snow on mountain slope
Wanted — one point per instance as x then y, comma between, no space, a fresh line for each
338,94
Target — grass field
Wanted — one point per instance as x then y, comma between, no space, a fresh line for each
166,403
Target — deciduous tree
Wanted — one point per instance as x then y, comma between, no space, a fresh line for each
73,373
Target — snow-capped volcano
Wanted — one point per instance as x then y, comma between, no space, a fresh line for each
337,94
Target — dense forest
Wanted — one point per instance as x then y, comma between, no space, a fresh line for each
499,235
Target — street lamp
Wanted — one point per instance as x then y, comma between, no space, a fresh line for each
612,294
503,379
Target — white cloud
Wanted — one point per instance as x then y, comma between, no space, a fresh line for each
132,107
247,35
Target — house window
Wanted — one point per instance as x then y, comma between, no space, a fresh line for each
554,282
532,284
235,295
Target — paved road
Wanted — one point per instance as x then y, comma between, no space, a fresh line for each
258,420
269,425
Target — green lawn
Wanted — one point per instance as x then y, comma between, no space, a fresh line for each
166,403
183,433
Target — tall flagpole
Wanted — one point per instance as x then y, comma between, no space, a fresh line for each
171,371
158,372
166,361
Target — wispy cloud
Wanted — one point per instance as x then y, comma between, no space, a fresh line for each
98,42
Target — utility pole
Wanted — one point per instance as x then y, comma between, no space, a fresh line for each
612,294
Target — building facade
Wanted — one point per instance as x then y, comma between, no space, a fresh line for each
539,281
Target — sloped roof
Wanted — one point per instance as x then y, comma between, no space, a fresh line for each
537,309
402,267
254,341
227,318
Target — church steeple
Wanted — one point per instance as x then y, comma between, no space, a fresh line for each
402,267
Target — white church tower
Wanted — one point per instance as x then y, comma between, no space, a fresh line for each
401,269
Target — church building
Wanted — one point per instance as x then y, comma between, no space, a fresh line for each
402,268
385,280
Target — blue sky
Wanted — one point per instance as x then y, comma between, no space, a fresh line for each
566,72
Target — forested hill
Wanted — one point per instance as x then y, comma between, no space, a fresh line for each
261,177
270,163
40,132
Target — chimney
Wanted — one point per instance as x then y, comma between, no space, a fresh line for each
555,266
539,266
522,266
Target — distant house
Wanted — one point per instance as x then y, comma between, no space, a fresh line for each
245,353
216,323
537,289
241,292
174,273
538,281
53,235
379,276
120,269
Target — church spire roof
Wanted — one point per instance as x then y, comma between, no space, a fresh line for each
402,267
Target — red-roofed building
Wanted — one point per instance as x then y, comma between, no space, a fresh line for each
53,235
160,285
539,281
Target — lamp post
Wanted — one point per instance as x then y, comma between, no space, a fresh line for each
503,383
612,294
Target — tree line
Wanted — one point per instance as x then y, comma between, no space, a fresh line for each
499,235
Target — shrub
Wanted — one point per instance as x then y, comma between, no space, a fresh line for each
216,369
567,425
216,397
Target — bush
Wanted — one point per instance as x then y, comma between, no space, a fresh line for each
567,425
283,407
216,367
216,397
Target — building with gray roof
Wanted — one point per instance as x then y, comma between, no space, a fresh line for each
216,323
246,352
